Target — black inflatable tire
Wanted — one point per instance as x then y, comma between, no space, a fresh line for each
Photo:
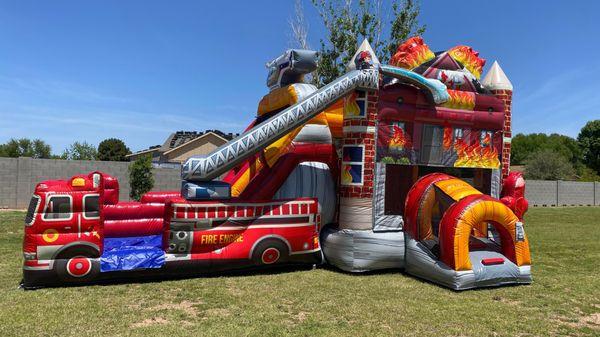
270,251
77,265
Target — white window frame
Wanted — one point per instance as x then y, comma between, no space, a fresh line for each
83,206
361,163
366,100
48,198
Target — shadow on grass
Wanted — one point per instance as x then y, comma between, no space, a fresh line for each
160,275
155,276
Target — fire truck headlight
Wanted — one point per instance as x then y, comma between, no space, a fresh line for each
29,256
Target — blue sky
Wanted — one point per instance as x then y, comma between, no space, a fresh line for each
138,70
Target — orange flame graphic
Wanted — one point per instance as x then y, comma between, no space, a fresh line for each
475,155
346,176
350,106
469,58
398,139
447,138
460,100
412,53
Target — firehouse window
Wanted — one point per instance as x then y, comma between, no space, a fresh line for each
431,150
356,106
59,207
352,164
91,207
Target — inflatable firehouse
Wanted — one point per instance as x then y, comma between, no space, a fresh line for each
401,166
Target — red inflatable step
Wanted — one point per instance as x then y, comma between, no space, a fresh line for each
492,261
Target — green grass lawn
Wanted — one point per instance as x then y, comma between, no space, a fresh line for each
563,300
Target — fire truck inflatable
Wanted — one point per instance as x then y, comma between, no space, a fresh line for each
389,166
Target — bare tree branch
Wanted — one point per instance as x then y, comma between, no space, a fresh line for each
299,27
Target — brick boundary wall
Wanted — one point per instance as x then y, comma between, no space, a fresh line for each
18,176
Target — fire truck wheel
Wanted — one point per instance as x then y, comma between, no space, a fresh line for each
77,267
270,251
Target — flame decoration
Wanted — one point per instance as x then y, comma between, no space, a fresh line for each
469,58
346,176
350,106
398,139
463,100
412,53
447,138
475,155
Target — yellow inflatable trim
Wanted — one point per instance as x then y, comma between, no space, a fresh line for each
277,99
484,211
456,188
240,185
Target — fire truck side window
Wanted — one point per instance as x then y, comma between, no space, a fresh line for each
91,207
59,207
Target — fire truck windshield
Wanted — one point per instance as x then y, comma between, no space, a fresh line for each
33,205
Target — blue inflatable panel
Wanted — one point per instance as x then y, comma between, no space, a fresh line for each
205,190
131,253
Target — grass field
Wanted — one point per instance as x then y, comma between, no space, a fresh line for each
563,300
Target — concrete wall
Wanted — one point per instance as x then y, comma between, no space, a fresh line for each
562,193
18,176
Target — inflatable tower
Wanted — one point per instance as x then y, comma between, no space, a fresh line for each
399,206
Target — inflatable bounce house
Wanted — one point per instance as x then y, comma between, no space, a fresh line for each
389,166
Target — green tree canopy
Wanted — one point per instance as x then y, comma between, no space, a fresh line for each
80,151
589,141
524,146
547,165
25,147
348,22
140,177
112,149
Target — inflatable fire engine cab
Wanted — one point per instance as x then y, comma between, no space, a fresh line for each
389,166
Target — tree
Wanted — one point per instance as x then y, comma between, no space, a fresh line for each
112,149
524,146
585,173
140,177
346,22
548,165
299,27
589,141
25,147
80,151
